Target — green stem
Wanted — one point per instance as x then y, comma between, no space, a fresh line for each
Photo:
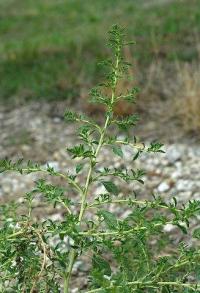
67,277
92,162
70,181
131,201
110,233
15,234
84,192
72,255
150,284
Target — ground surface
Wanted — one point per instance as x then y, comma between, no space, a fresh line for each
38,132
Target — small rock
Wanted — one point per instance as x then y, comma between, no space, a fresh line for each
56,217
176,174
80,266
174,153
117,164
57,119
25,148
127,152
6,188
168,228
126,214
183,185
20,200
196,195
178,165
100,189
184,196
163,187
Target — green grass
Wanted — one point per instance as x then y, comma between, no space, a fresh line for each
48,47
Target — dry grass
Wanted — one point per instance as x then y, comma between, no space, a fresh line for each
168,92
187,98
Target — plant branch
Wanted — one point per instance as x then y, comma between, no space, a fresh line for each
150,284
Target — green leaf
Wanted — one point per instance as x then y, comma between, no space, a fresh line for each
182,228
110,219
80,151
155,147
127,122
111,187
71,116
117,151
136,155
196,233
79,167
101,265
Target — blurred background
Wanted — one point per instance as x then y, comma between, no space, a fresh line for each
49,52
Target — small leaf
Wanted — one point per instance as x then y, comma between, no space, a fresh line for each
136,156
110,219
155,147
111,187
127,122
183,229
101,265
117,151
175,201
196,233
79,167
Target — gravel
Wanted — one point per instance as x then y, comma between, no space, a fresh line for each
44,139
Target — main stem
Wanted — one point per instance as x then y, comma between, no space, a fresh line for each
72,255
67,277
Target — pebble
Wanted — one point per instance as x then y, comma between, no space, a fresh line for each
168,228
196,195
80,266
163,187
57,119
176,174
184,196
177,168
56,217
174,153
75,290
182,185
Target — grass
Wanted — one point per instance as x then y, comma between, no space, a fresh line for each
187,97
48,48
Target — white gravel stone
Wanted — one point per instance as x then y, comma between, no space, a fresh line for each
56,217
184,196
184,185
163,187
100,189
176,174
196,195
80,266
75,290
169,228
127,152
174,153
178,165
